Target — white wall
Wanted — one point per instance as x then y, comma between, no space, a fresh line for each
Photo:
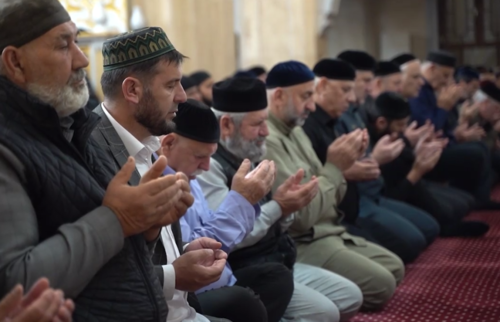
382,27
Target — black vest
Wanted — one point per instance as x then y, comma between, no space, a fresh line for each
65,181
275,246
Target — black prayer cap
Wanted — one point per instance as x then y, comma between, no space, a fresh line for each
187,82
392,106
24,21
196,121
466,73
442,58
257,70
199,77
490,89
334,69
402,59
386,68
360,60
288,74
239,95
484,70
244,73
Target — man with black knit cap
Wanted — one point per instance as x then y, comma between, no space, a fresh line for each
403,176
402,229
259,72
188,150
464,165
321,239
388,78
318,295
63,214
203,80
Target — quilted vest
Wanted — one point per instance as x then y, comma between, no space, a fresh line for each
275,246
67,180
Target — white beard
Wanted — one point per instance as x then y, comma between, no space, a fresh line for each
66,100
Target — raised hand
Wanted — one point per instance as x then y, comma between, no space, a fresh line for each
144,206
292,196
414,133
387,149
346,149
198,268
254,185
363,170
41,304
449,96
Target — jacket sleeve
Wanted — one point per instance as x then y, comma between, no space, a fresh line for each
332,186
69,259
214,186
229,224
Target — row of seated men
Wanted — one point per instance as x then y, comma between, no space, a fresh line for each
277,202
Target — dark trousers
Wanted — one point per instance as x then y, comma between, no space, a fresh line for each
466,166
262,293
397,226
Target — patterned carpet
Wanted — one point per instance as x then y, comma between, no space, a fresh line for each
455,280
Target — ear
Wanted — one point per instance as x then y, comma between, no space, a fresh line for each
167,144
226,126
132,90
321,85
381,123
12,64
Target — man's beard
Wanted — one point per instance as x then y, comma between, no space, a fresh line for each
292,117
66,100
245,149
149,115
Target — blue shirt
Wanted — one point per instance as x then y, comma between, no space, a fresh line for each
229,224
424,107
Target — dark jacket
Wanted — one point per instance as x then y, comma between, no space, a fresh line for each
275,246
66,181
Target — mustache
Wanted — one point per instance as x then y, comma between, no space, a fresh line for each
77,76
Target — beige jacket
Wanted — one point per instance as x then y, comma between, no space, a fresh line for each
291,150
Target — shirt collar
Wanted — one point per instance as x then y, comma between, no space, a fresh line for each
322,116
133,146
280,125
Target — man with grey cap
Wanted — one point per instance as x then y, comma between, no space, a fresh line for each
63,214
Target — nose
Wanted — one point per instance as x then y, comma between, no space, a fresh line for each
264,130
351,97
79,59
310,106
205,165
180,94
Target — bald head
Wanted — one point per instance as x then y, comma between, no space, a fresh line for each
412,79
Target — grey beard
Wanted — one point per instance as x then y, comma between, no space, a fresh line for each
244,149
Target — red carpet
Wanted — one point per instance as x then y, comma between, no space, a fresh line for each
455,280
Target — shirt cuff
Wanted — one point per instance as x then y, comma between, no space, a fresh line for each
168,281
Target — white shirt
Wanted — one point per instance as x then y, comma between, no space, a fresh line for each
178,306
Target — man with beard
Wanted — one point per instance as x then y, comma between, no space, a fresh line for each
388,78
141,93
188,150
400,228
464,165
321,240
403,176
318,295
204,82
456,201
63,215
